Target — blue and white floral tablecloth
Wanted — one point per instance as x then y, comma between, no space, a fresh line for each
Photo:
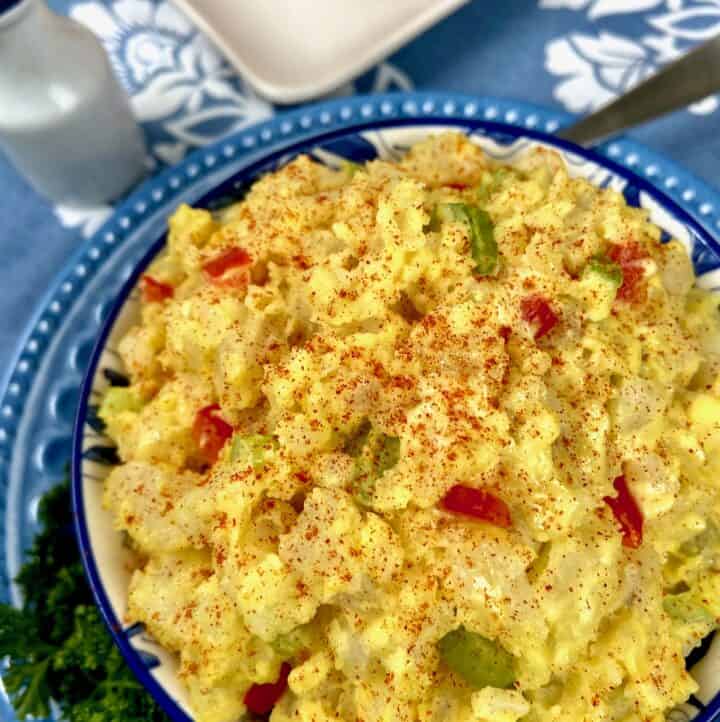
575,54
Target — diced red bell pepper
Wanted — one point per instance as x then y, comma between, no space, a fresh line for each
630,257
538,313
261,698
627,513
477,503
210,432
222,270
154,291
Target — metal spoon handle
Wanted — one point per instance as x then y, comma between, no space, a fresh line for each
686,80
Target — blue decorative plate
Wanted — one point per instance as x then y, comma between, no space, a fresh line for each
42,391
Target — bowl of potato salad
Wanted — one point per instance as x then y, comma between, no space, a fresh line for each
417,424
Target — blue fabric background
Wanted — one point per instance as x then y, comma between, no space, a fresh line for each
573,54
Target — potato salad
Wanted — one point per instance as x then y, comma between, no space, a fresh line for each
435,440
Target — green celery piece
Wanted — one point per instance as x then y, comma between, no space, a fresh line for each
448,213
350,167
290,644
375,453
252,447
605,268
388,453
357,440
684,608
482,242
477,659
487,188
708,537
483,246
118,399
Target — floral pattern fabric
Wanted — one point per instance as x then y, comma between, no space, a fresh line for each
597,66
182,90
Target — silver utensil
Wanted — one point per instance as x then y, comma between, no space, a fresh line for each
686,80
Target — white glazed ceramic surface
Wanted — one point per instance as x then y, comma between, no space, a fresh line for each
105,552
293,51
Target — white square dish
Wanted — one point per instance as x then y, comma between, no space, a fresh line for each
293,50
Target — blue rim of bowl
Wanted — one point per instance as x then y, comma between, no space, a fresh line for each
249,172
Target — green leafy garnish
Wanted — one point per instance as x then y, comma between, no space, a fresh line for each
57,646
26,681
375,453
252,448
605,268
478,660
483,246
